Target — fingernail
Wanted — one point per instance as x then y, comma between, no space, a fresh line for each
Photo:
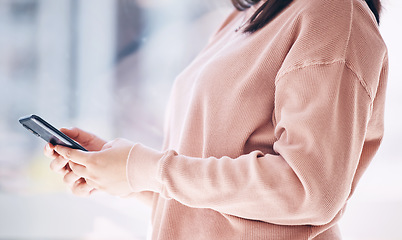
56,148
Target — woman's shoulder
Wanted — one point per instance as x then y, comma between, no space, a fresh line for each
329,8
334,15
326,31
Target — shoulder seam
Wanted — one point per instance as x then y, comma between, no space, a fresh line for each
361,80
363,83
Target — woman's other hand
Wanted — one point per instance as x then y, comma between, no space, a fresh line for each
103,170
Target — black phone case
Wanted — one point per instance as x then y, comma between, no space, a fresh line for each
47,132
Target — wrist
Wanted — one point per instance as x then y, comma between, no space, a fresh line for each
143,169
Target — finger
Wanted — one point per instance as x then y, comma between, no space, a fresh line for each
73,155
49,152
81,188
75,133
108,145
70,178
59,165
78,169
84,138
94,190
92,183
66,169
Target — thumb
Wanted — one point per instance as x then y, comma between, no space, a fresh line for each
72,132
78,135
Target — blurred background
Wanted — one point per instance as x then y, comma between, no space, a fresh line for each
107,66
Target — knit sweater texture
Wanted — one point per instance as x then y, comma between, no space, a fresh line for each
267,134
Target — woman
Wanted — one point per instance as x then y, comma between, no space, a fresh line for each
268,130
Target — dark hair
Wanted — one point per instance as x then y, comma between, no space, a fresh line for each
270,8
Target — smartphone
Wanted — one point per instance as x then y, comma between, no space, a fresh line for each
47,132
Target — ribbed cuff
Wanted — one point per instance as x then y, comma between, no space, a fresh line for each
143,169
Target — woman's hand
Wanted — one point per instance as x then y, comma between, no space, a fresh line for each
61,166
103,170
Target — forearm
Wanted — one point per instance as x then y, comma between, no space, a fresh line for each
253,186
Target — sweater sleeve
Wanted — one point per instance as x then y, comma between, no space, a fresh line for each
321,116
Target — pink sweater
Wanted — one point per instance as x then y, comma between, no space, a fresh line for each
268,134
